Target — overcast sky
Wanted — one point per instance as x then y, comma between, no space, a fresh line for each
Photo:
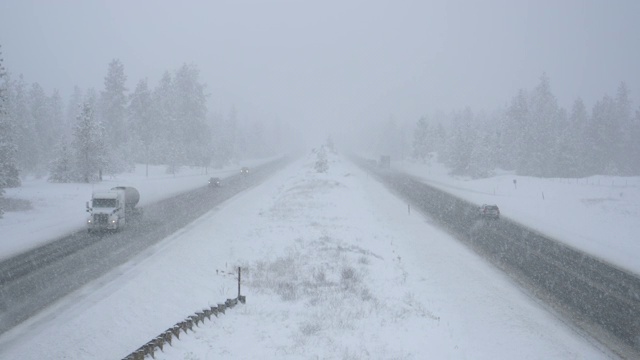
334,61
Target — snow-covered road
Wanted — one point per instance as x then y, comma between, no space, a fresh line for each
597,215
334,267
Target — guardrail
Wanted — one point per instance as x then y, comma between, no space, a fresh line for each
168,336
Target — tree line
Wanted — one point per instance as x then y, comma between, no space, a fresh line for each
107,132
96,133
532,136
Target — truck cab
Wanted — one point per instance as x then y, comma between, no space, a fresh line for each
106,211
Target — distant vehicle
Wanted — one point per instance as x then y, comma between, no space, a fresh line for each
214,182
489,211
110,210
244,170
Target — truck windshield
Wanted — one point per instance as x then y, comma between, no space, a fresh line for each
104,203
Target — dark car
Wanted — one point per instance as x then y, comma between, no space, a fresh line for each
244,170
489,211
214,182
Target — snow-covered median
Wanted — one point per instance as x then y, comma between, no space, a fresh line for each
334,267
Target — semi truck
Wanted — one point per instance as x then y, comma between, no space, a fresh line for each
111,210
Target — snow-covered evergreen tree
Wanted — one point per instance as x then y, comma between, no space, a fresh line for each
142,123
113,104
624,119
61,169
74,106
58,126
88,146
600,134
189,128
538,160
90,98
421,140
439,138
9,174
163,110
515,141
39,132
19,114
8,170
481,161
634,150
322,162
573,142
461,142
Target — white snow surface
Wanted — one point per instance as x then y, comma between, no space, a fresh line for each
599,215
59,209
333,267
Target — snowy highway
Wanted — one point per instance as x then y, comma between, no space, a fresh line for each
355,180
332,265
598,297
33,280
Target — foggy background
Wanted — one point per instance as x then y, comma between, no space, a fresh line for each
332,67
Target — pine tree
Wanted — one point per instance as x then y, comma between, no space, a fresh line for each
601,135
4,131
231,136
624,146
61,169
142,122
163,113
90,99
189,126
57,123
440,139
19,114
88,145
74,106
113,101
322,162
564,148
481,157
634,151
421,141
461,142
9,176
575,144
39,131
515,138
113,106
539,160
